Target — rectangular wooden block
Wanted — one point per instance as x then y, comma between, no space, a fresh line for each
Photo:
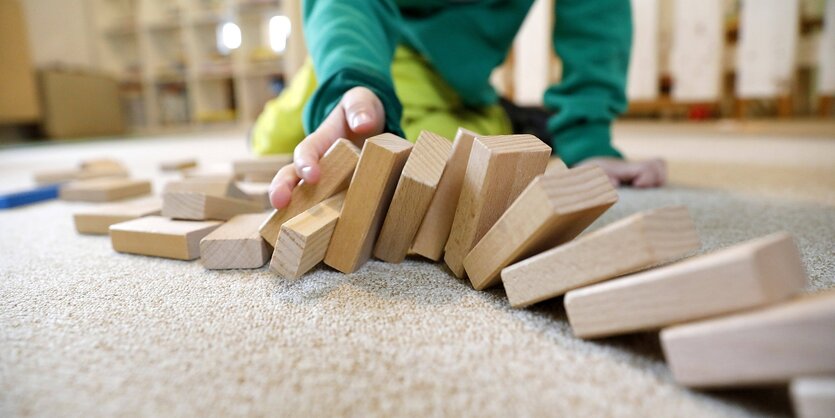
412,196
337,166
499,168
177,165
553,209
631,244
161,237
214,186
748,275
86,171
763,346
303,240
236,244
97,220
257,192
104,189
366,202
201,206
813,396
261,167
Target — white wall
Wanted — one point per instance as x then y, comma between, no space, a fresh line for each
59,32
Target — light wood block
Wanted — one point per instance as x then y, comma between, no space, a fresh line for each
178,165
215,186
412,197
161,237
97,220
337,166
260,167
748,275
257,192
366,202
634,243
103,164
814,396
236,244
201,206
44,177
104,189
434,229
499,168
768,345
303,240
553,209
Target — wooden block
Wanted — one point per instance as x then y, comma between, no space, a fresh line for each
65,175
161,237
104,189
178,165
337,166
97,220
434,229
366,202
201,206
236,244
631,244
263,177
553,209
303,240
751,274
412,197
102,164
214,186
814,396
763,346
499,168
265,166
257,192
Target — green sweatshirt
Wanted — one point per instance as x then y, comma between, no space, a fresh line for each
352,43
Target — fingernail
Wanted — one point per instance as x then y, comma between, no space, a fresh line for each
359,119
306,171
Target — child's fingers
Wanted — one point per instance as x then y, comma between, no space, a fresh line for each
282,186
307,154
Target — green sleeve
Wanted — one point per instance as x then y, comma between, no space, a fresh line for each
351,44
592,38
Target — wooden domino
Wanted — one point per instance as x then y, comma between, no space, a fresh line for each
634,243
257,192
499,168
214,186
161,237
178,165
97,220
813,396
366,202
236,244
104,189
303,240
553,209
768,345
201,206
260,168
336,166
412,196
748,275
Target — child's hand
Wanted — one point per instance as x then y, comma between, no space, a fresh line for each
643,174
358,116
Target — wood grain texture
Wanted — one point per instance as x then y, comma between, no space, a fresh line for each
177,165
415,190
813,396
767,345
553,209
97,220
499,168
201,206
221,186
236,244
303,240
261,167
634,243
337,166
748,275
366,202
161,237
104,189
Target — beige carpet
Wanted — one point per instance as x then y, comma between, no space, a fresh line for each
88,332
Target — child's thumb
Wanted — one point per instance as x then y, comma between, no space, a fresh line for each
363,111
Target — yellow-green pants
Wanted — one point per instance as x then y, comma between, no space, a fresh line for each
428,104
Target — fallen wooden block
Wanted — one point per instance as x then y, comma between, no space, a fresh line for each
214,186
337,166
45,177
499,168
97,220
236,244
201,206
769,345
257,192
103,164
303,240
366,202
813,396
634,243
260,168
178,165
161,237
104,189
412,196
748,275
553,209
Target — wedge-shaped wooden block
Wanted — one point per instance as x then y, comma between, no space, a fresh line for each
337,166
214,186
104,189
499,168
177,165
763,346
303,240
631,244
263,167
553,209
366,202
236,244
748,275
97,220
412,197
161,237
201,206
814,396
